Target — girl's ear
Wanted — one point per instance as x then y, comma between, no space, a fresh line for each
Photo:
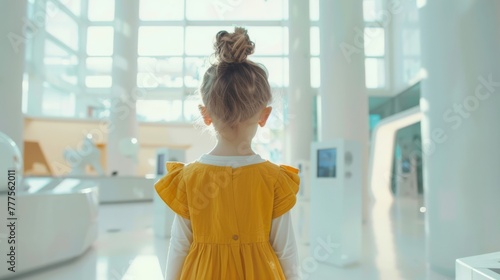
265,115
206,117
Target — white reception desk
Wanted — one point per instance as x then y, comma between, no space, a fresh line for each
111,188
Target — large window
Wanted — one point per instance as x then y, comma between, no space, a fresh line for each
73,49
69,58
374,44
53,61
98,52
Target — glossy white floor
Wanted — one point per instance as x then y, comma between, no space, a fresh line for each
126,249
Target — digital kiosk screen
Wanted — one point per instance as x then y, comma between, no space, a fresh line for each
406,166
160,161
327,163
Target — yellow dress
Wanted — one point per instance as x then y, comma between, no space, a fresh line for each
230,210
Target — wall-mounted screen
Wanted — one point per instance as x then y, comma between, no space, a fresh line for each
327,163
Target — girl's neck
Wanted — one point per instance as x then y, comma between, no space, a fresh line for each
236,141
240,147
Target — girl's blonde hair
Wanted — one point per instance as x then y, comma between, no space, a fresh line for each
234,88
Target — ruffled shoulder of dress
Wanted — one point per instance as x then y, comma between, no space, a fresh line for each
172,189
290,176
289,169
286,189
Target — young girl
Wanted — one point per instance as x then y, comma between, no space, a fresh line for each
232,207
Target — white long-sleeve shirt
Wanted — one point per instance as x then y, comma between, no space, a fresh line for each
281,237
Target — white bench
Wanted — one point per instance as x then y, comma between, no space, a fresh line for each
52,225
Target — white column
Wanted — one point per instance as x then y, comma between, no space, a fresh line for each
460,129
123,120
12,45
344,102
299,133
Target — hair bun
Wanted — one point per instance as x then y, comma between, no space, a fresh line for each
233,47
